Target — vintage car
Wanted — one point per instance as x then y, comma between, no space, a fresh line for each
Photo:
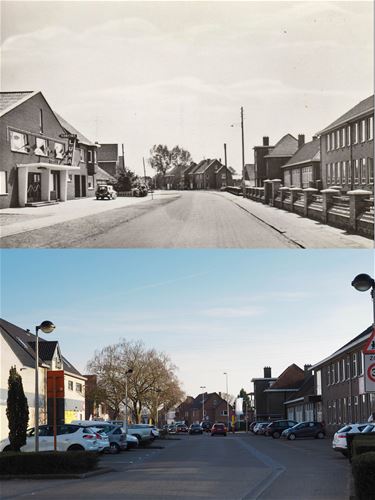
105,191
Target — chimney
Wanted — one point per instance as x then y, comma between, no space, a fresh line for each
314,137
306,370
301,140
266,141
267,372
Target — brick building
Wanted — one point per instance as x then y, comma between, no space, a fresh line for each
108,158
281,154
215,409
41,158
347,149
303,168
340,384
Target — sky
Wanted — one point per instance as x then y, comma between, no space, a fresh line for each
144,73
211,311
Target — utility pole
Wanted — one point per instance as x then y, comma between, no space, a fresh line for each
243,152
226,164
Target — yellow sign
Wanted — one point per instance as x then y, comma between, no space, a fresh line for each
233,419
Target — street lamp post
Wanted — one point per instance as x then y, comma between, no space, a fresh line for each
46,327
226,378
202,387
128,372
362,283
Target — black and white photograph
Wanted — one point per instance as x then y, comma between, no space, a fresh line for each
187,250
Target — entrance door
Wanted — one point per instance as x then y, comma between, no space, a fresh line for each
34,188
83,185
55,194
77,186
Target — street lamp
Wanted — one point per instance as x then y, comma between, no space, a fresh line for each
362,283
128,372
46,327
226,377
202,387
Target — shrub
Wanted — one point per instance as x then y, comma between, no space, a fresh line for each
360,443
363,468
54,462
17,411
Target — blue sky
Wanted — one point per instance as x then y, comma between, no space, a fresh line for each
210,310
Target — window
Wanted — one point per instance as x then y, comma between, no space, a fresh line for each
328,139
354,365
223,413
348,135
333,379
70,385
70,177
370,169
362,130
338,378
362,166
59,150
349,172
41,148
78,387
41,121
82,155
370,128
90,182
360,363
356,171
337,139
347,368
336,173
342,137
19,142
333,145
89,156
342,370
318,381
355,133
328,375
95,159
3,183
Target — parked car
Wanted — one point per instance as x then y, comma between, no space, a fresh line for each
105,191
369,428
181,428
252,425
140,190
195,429
131,441
260,427
206,426
218,429
116,436
141,431
172,429
275,428
305,429
339,442
69,438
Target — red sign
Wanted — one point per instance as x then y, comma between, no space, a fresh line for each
371,372
55,384
370,346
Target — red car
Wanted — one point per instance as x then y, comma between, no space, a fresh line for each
181,428
218,429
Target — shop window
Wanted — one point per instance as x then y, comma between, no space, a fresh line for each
19,142
3,183
41,148
59,150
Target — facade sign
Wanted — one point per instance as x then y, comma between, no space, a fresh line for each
369,372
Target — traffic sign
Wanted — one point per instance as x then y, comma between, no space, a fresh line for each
369,372
369,347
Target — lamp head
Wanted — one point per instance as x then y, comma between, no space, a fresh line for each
46,326
363,282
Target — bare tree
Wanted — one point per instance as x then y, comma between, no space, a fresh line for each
153,375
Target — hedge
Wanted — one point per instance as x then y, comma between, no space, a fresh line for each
363,469
54,462
360,443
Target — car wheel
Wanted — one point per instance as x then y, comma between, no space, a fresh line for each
276,435
292,437
114,448
320,435
76,447
138,437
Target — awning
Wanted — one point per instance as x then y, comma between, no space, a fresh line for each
47,166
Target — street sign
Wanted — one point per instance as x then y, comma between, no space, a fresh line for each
369,348
369,372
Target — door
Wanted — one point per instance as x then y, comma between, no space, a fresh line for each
55,193
77,186
34,187
83,185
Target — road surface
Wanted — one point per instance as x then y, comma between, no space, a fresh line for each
188,220
240,467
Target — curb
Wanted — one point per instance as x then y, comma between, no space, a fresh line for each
98,472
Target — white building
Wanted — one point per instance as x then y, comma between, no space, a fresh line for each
17,348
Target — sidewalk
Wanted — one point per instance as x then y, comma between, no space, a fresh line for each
306,232
19,220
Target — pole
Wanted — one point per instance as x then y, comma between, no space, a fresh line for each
126,403
144,169
226,164
37,389
54,415
243,151
226,377
123,158
203,409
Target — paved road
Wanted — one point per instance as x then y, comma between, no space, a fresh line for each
188,220
241,467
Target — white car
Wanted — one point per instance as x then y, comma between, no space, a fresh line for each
69,437
102,438
132,441
339,439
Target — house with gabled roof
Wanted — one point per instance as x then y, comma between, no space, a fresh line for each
212,404
339,382
280,154
40,153
17,347
303,169
303,404
347,149
270,393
